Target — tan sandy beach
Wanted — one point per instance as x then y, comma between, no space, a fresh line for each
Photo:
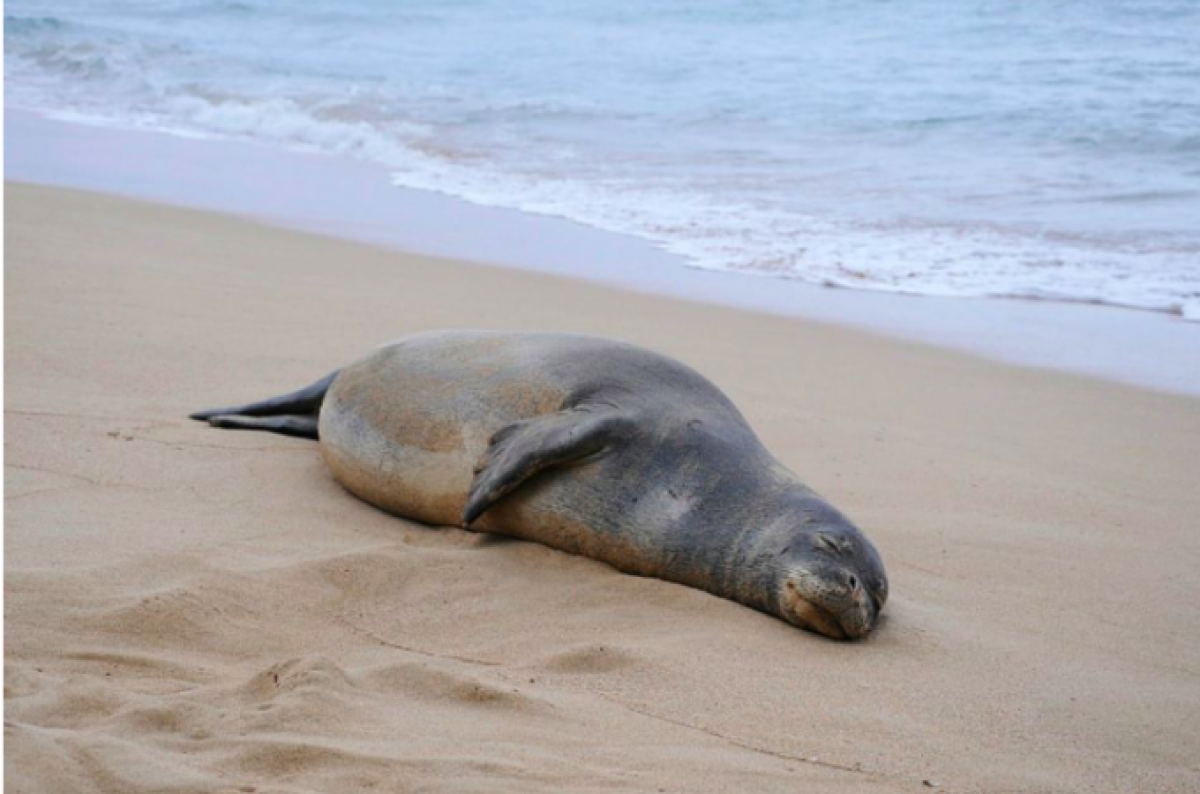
196,611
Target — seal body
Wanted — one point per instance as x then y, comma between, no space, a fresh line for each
597,448
405,427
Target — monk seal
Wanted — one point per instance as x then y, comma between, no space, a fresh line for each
591,446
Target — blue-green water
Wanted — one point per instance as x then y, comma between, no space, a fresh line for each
1045,149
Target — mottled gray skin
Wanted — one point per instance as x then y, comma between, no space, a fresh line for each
593,447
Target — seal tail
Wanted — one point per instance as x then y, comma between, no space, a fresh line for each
293,414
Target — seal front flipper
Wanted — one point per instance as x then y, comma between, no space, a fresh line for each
520,450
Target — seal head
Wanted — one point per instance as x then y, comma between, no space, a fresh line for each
832,578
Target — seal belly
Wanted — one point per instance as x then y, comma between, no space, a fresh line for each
403,427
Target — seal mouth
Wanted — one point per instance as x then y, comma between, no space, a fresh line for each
814,617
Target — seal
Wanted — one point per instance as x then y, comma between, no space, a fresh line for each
590,446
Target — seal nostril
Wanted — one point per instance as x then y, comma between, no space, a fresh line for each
852,580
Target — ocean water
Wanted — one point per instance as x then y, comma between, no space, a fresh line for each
1030,149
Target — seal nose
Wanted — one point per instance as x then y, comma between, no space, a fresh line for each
859,595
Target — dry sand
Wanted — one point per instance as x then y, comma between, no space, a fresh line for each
196,611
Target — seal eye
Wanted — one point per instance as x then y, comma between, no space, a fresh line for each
826,543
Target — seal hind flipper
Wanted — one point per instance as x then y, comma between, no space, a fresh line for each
520,450
305,401
301,426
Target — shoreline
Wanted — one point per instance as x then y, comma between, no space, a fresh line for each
188,610
292,189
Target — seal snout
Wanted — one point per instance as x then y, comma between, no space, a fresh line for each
834,604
